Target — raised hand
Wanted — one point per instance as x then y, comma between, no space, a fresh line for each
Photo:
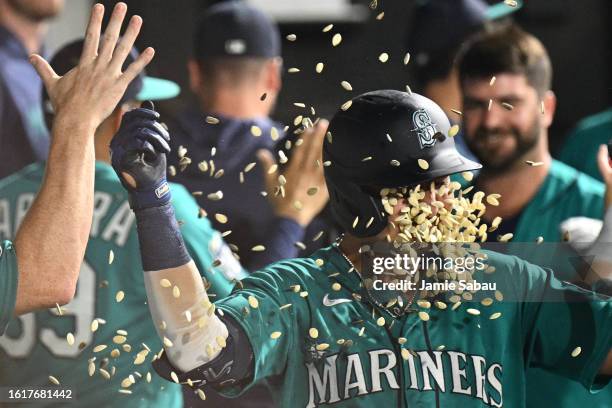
138,155
604,162
305,190
92,90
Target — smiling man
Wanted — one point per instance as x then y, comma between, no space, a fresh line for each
506,78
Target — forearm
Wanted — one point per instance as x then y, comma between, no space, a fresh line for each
184,317
51,241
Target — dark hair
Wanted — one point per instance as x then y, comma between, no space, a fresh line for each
230,71
507,49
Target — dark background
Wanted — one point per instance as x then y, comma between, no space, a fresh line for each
574,32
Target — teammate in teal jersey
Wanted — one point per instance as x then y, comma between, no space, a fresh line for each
317,333
110,303
35,274
506,123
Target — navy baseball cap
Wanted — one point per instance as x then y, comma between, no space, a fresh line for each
440,26
236,29
142,88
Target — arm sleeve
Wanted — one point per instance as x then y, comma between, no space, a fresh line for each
280,244
8,283
568,330
209,251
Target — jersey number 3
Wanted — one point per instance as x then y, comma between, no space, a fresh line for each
81,309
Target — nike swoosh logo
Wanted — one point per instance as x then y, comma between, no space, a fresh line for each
333,302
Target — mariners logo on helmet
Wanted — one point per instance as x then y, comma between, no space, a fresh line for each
425,128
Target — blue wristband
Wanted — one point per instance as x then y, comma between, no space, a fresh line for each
158,196
161,243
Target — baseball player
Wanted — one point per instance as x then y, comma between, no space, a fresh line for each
40,269
317,331
101,344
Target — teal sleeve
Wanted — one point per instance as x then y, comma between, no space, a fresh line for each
8,283
568,330
272,287
207,248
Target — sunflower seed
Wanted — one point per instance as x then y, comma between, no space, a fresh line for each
408,90
176,292
507,106
258,248
495,315
493,199
405,354
406,58
472,311
115,353
318,235
319,67
458,112
99,348
291,37
506,237
423,164
293,70
452,132
576,352
395,163
111,256
424,316
346,105
490,105
424,303
380,321
255,131
440,305
384,57
54,380
119,339
456,305
119,296
511,3
539,240
534,164
328,28
380,16
499,296
70,339
492,81
221,218
336,39
212,120
216,196
373,4
346,86
336,287
322,346
253,302
361,331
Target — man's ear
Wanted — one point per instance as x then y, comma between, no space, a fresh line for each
549,100
195,76
273,74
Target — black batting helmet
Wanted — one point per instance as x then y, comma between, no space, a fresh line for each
377,142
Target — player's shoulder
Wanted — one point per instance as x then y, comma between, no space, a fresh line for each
29,176
573,178
595,123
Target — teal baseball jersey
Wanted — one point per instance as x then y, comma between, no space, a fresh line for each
8,283
316,344
566,193
580,147
99,343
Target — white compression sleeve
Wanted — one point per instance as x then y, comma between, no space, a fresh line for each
184,317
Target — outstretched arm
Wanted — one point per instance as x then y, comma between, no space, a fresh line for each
51,241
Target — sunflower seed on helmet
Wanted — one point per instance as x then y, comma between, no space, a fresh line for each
336,39
346,105
383,57
212,120
423,164
119,296
291,37
346,86
452,132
